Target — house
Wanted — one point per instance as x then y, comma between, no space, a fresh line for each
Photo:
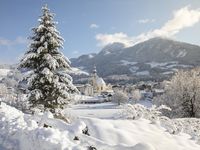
85,89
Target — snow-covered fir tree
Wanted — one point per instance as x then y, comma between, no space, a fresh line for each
48,83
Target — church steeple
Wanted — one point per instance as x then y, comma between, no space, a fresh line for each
94,70
94,77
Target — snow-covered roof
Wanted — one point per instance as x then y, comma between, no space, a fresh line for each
159,90
100,82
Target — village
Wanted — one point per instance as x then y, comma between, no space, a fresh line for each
99,91
96,90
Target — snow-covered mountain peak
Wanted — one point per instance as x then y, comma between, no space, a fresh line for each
112,47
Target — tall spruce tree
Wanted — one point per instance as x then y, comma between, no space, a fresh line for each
48,83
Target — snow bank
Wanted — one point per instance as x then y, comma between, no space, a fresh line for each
19,131
136,135
122,134
42,131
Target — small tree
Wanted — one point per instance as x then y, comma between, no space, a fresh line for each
136,95
182,94
120,97
48,83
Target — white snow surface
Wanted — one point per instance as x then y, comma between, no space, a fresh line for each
90,56
134,69
182,53
119,134
19,131
125,62
77,71
106,52
100,82
161,64
167,65
4,72
142,73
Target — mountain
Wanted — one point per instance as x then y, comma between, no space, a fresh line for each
155,58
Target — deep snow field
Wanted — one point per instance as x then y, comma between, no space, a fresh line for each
20,131
4,72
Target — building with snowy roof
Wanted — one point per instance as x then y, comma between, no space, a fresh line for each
96,86
98,83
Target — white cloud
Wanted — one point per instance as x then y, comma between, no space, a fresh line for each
18,40
75,52
182,18
113,28
105,39
4,42
144,21
94,26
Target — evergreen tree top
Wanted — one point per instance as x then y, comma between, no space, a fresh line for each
46,42
48,83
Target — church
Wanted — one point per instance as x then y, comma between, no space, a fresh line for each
96,85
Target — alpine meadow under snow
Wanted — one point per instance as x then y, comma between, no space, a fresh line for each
45,104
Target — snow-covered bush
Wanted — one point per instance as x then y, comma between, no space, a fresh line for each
170,125
15,99
182,94
22,102
12,78
119,97
136,95
19,131
10,92
138,111
3,90
190,126
8,96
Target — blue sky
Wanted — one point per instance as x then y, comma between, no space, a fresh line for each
88,25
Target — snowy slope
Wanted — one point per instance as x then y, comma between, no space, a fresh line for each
20,131
157,55
118,134
77,71
126,133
